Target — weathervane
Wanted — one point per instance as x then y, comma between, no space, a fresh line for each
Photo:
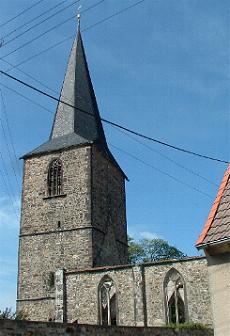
78,16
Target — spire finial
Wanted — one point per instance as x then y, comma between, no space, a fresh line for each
78,17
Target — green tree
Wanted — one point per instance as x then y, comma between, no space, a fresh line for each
8,314
135,252
152,250
159,249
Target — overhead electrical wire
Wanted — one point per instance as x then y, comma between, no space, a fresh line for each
33,19
113,15
50,29
21,13
56,26
8,186
8,128
43,107
26,98
32,77
146,137
39,23
161,171
9,153
191,171
87,28
37,37
40,53
61,42
8,193
125,133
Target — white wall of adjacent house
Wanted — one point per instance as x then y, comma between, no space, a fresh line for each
219,281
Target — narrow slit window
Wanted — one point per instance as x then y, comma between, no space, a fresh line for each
55,178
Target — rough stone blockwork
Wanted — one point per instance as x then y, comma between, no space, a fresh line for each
140,292
29,328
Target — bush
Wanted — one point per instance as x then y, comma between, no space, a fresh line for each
8,314
186,325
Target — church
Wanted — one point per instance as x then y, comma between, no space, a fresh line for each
73,247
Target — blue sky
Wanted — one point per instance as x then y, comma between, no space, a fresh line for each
161,68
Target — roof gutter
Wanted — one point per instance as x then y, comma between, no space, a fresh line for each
213,243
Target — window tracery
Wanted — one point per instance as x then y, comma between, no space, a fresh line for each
54,179
175,300
107,302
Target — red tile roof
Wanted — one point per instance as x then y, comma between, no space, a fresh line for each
217,226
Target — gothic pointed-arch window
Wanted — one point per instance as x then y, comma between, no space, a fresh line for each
107,302
54,179
175,297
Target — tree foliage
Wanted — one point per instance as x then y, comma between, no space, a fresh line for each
8,314
135,251
147,250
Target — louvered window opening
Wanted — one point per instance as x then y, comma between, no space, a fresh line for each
55,178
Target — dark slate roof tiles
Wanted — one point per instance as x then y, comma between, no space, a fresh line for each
59,143
79,123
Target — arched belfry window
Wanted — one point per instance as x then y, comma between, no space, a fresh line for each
175,300
54,179
107,302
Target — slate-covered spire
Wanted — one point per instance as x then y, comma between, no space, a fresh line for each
78,90
79,123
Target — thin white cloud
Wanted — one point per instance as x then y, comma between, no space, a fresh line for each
9,213
136,234
148,235
9,224
8,267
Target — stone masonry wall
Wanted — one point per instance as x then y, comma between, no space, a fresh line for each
82,296
195,275
140,295
27,328
41,214
55,232
108,211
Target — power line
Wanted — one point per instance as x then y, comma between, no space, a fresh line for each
146,137
38,36
129,154
50,29
26,98
113,15
8,193
9,153
161,171
72,36
169,159
33,19
5,178
87,28
24,11
55,45
40,53
8,128
39,23
32,77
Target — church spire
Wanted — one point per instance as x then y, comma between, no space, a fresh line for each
77,90
79,122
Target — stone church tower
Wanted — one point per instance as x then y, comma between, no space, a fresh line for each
73,200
